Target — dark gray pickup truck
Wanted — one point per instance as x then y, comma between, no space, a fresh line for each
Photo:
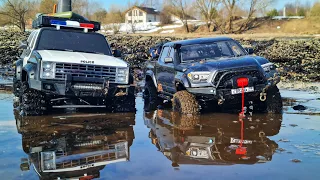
209,73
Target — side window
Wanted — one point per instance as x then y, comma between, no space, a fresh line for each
171,53
30,37
164,53
224,49
33,41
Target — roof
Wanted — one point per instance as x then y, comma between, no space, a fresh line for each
198,41
145,9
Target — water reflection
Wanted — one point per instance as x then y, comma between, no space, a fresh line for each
212,139
75,146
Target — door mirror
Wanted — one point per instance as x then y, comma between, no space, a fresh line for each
249,50
168,60
116,53
23,45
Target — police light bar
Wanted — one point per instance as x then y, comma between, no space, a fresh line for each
51,21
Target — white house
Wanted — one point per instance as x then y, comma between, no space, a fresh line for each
138,14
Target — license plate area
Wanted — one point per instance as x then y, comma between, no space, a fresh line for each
197,152
237,141
239,90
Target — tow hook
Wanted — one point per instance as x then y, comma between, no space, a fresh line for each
262,134
221,101
263,95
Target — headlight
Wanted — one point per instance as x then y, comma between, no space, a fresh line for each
199,77
49,165
122,75
268,67
48,160
48,70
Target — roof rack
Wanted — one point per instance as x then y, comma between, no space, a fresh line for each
65,19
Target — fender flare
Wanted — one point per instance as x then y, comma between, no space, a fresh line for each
152,76
184,81
18,69
31,70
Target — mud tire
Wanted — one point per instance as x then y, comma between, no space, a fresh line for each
150,96
273,104
185,103
32,102
16,87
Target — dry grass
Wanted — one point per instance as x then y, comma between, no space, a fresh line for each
299,28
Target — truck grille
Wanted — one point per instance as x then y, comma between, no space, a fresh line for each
111,153
223,76
87,71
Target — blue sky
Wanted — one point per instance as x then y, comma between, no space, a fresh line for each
279,4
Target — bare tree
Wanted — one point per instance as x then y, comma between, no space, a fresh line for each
46,6
17,11
230,6
208,10
179,8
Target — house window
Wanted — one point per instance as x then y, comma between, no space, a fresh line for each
140,13
130,21
140,21
149,20
130,13
155,17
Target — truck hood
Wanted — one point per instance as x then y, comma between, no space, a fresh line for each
81,58
225,63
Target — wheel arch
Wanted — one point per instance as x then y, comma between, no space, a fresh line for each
151,77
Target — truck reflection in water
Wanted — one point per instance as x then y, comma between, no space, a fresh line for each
212,139
78,146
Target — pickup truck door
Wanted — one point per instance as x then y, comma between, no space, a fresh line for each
165,71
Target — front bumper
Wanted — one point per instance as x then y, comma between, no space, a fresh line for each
82,87
212,93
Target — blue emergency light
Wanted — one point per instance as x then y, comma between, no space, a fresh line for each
52,21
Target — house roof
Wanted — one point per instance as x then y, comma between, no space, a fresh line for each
145,9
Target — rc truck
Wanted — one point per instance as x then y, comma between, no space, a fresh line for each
210,73
207,140
66,64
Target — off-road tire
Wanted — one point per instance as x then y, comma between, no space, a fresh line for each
150,96
273,103
185,103
16,87
32,102
184,121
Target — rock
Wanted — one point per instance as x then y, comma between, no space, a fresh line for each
299,108
296,160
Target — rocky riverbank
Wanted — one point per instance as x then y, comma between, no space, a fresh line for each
296,59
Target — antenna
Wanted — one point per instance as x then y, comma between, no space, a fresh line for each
64,6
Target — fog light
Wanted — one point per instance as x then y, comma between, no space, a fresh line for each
47,86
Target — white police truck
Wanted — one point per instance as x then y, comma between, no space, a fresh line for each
66,64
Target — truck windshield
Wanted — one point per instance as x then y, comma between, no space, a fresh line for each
51,39
210,51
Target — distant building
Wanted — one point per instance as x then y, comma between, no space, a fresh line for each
175,18
138,14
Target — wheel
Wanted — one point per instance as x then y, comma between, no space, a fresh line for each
33,102
150,95
185,103
184,122
273,103
16,86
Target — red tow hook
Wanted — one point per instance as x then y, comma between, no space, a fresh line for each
242,82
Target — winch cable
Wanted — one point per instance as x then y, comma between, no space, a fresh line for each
240,150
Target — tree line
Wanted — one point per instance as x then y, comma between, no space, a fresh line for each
225,16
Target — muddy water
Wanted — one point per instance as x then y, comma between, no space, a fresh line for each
161,144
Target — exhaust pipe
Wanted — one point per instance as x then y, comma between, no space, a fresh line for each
64,6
